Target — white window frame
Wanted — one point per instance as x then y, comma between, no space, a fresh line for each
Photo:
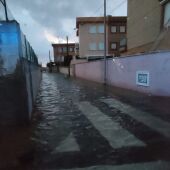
71,49
92,46
111,46
113,26
100,29
101,46
124,27
92,29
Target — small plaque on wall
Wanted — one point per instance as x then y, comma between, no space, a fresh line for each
142,78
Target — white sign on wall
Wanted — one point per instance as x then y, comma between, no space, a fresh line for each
142,78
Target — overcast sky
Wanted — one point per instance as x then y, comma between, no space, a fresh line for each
49,21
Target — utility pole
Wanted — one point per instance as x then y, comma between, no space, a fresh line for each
105,43
68,58
50,68
5,7
49,56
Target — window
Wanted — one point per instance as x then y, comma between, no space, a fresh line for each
92,29
64,49
60,49
101,28
92,46
113,29
123,41
101,46
57,58
123,44
113,46
71,49
62,59
167,15
122,29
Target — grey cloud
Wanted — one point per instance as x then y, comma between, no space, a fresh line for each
56,16
52,13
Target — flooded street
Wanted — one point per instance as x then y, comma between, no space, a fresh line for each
84,125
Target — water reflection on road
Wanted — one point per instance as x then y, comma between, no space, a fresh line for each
77,124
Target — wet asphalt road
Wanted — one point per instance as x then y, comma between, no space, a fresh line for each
83,125
69,134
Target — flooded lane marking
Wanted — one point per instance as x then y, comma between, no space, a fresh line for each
160,165
111,130
141,116
68,145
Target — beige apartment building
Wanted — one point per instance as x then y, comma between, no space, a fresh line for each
91,36
63,53
148,25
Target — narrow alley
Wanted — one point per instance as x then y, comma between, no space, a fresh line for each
82,125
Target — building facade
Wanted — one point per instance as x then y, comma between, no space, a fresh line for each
91,36
63,53
147,25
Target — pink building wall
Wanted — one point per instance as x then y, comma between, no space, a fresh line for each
121,72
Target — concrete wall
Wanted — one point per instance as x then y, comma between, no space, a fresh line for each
91,71
121,72
144,22
64,70
19,78
13,99
32,77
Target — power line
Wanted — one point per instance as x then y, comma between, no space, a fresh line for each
102,6
117,6
2,2
99,8
93,13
